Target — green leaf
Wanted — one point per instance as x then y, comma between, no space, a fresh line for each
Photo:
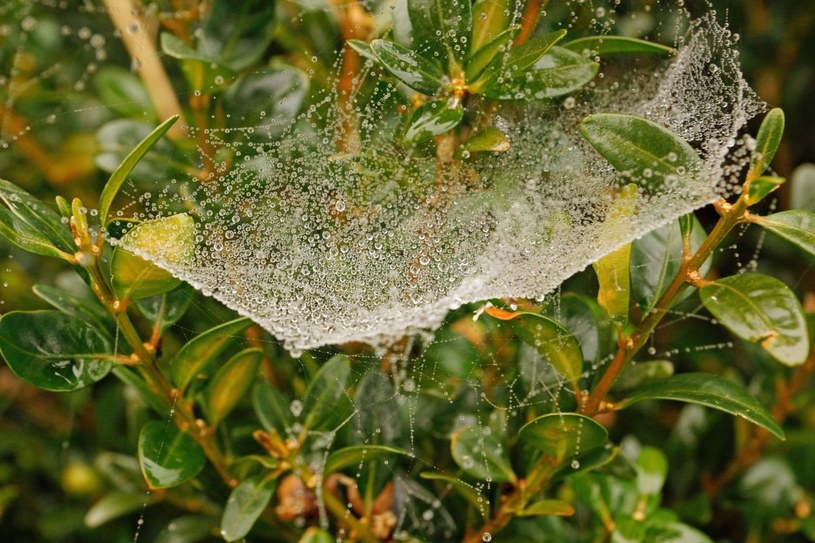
443,27
558,73
795,226
53,351
553,342
468,492
641,150
617,45
167,456
316,535
490,18
32,225
199,354
363,48
478,61
674,532
548,507
760,309
166,309
481,455
802,187
244,506
237,35
326,403
114,505
588,322
272,409
761,186
86,308
433,119
656,258
652,470
118,177
767,142
615,283
122,91
231,383
488,139
187,529
269,101
641,373
562,436
409,67
167,241
514,63
356,455
710,391
453,354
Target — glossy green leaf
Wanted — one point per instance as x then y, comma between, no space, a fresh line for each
617,45
767,142
87,307
454,354
167,456
441,27
656,258
119,175
316,535
760,309
168,241
363,48
641,150
272,409
466,491
53,351
795,226
490,18
478,61
641,373
558,73
674,532
515,62
166,309
199,354
411,68
32,225
269,101
562,436
588,322
481,455
710,391
552,341
114,505
587,461
762,186
539,508
187,529
244,506
122,91
652,470
326,403
356,455
488,139
237,35
433,119
614,280
231,383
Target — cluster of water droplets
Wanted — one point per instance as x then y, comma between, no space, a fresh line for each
377,241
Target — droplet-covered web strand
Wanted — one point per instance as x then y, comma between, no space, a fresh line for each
326,247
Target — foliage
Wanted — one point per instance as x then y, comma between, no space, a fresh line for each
237,440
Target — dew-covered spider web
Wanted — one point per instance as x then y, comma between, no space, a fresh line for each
324,243
326,239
